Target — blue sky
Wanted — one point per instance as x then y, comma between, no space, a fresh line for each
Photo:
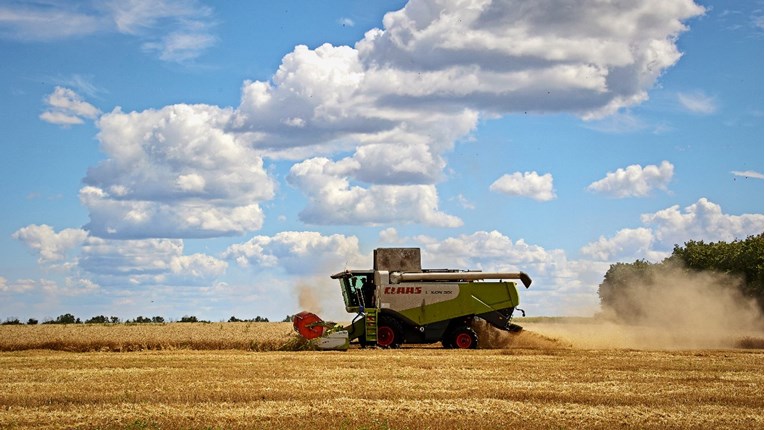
214,159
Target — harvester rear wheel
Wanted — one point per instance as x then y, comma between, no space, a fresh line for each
389,333
462,338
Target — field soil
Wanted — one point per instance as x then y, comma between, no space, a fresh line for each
533,381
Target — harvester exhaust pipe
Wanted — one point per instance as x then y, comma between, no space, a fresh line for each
397,277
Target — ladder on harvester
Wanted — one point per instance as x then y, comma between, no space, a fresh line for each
370,325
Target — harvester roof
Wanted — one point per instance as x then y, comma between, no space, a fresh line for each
347,273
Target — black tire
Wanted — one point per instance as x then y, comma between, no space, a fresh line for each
363,341
389,333
447,341
462,337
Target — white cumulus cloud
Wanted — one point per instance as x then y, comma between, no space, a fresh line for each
422,81
526,184
147,262
334,200
628,244
703,220
49,245
635,180
488,250
298,252
65,107
174,173
590,58
396,101
91,262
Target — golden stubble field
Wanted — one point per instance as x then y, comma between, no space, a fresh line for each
533,382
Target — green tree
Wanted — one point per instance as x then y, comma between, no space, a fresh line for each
741,259
64,319
617,283
100,319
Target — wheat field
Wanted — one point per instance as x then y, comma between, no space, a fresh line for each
537,383
248,336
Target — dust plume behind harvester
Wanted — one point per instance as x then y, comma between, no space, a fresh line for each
397,302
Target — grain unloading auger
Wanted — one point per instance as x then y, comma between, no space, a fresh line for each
399,302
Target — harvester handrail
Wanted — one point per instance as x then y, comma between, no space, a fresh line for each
397,277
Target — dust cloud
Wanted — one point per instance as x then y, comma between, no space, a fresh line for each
322,296
675,310
308,297
493,338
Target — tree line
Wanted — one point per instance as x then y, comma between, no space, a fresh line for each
103,319
740,260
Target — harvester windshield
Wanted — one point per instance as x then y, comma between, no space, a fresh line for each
353,285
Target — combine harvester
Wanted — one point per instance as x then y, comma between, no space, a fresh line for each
399,302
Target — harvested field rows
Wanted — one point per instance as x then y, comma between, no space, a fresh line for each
189,376
406,388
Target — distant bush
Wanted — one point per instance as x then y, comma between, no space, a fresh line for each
103,319
100,319
256,319
64,319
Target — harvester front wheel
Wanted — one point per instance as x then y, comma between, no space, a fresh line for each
389,333
462,338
